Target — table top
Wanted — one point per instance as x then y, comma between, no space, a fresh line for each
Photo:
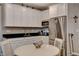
30,50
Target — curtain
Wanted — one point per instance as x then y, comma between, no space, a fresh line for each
52,30
63,23
58,28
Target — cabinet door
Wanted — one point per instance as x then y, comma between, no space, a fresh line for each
12,15
9,15
28,17
21,16
32,18
45,15
17,15
37,18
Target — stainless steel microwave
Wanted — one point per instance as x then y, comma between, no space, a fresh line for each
45,23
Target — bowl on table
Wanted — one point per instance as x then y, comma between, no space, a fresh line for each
38,44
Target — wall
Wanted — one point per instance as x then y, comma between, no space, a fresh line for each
72,27
0,24
0,28
58,10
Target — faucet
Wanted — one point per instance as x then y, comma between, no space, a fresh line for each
27,34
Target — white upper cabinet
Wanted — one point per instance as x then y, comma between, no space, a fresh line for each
17,15
20,16
35,18
13,15
57,10
26,17
8,15
45,15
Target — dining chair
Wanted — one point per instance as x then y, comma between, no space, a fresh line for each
59,44
6,48
73,52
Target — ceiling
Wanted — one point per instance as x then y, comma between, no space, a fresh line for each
40,6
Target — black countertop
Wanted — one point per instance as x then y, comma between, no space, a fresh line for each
17,35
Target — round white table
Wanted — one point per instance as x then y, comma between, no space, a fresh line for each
30,50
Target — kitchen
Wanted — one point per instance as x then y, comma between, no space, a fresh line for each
27,23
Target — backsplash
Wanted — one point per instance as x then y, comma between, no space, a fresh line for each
21,30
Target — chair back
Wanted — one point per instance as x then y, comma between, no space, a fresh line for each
58,43
6,48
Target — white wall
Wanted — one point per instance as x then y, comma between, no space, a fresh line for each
0,24
0,28
58,10
73,10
